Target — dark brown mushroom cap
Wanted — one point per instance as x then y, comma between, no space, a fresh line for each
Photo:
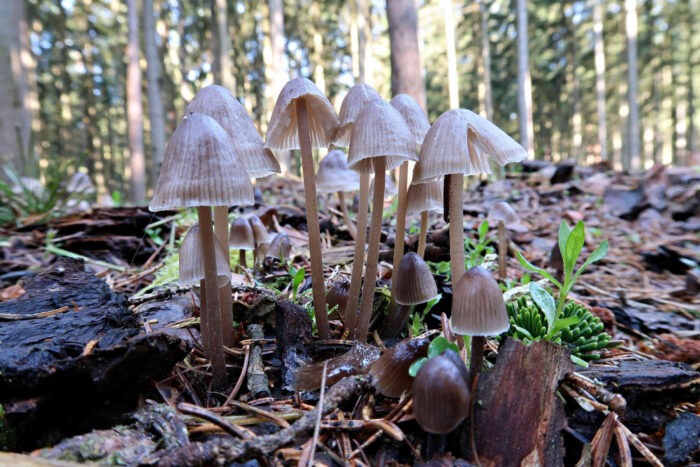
217,102
241,235
503,212
414,281
390,373
283,132
414,115
440,394
338,295
191,261
478,308
259,230
279,247
425,197
354,100
201,168
333,174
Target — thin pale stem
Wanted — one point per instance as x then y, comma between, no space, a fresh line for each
375,232
358,261
502,250
307,163
400,225
225,299
456,227
212,332
346,215
423,235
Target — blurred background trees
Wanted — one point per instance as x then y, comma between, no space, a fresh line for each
103,83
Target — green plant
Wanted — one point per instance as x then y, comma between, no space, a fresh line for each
297,278
436,347
476,250
415,320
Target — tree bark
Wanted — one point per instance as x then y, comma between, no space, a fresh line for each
631,158
156,115
406,71
600,78
134,107
524,83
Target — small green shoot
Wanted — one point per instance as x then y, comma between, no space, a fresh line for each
415,321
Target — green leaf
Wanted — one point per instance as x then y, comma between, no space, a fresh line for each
523,331
483,230
598,254
573,247
545,301
439,345
528,265
579,361
564,232
563,323
429,306
415,366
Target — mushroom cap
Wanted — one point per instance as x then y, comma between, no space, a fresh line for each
425,197
217,102
283,133
333,174
458,142
414,282
478,308
241,235
389,188
355,99
338,295
414,115
259,230
503,212
192,260
390,373
441,393
201,168
279,247
380,131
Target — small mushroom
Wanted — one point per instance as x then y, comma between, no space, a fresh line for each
390,373
334,176
423,198
280,247
504,215
241,238
261,236
337,296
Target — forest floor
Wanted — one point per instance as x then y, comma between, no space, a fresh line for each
100,354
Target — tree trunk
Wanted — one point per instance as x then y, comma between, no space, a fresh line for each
524,84
363,35
223,67
275,71
600,78
156,115
406,71
486,59
452,79
134,107
631,157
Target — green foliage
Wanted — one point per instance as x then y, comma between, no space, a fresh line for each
169,273
415,320
297,279
436,347
475,251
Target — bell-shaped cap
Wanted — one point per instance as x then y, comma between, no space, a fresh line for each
201,168
390,373
333,174
283,132
338,295
279,247
503,212
414,281
458,143
380,131
192,260
414,115
425,197
217,102
355,99
478,308
441,393
259,230
240,235
389,188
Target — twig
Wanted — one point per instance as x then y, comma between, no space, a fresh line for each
204,414
258,383
639,446
319,415
43,314
239,383
269,416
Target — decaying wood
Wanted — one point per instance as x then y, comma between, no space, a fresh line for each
258,383
518,415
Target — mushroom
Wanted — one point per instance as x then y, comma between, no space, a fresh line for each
334,176
304,119
441,393
217,102
260,234
355,99
478,310
413,283
241,238
200,169
390,373
279,248
423,198
380,141
337,296
504,215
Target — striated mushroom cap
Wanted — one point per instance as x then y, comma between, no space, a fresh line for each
390,373
503,212
414,116
478,308
259,230
425,197
241,235
283,133
279,247
355,99
201,168
458,143
333,174
192,260
380,131
414,281
217,102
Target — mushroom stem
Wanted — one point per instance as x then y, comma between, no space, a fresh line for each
423,233
456,229
358,261
477,356
400,224
502,250
346,215
203,321
212,331
395,320
375,232
307,163
241,259
225,299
